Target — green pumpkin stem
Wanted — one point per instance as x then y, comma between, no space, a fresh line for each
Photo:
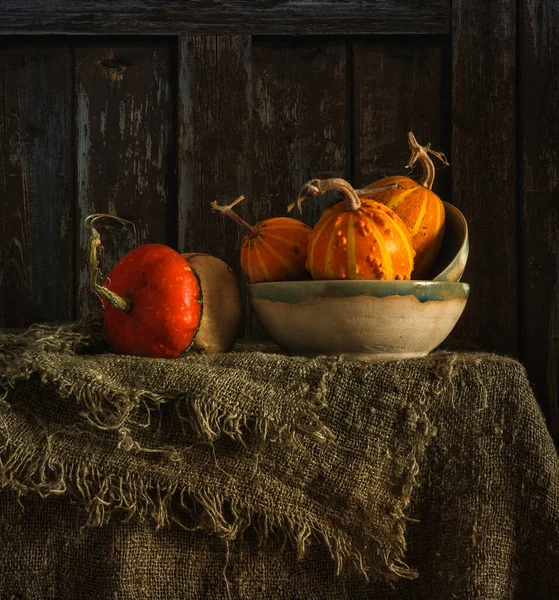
420,154
252,231
93,248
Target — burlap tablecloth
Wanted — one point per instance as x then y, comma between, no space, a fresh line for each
257,475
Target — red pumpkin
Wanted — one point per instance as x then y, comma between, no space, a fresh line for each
164,300
272,250
413,201
152,300
356,239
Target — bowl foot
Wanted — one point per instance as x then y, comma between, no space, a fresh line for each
363,356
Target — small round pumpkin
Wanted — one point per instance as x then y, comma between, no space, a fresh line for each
356,239
152,301
416,204
272,250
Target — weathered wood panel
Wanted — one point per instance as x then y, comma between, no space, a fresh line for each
215,159
399,85
125,149
36,233
300,17
484,167
301,124
539,197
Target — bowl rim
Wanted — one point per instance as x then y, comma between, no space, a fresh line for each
461,216
423,290
464,246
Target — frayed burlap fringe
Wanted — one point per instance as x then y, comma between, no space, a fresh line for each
486,492
113,398
103,496
27,353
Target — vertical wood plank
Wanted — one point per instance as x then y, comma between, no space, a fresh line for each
215,160
36,232
400,85
301,125
301,122
539,197
125,149
484,167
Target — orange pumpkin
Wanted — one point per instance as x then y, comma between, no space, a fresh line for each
418,207
356,239
272,250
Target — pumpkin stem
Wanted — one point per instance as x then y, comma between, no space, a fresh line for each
317,187
226,210
421,153
93,248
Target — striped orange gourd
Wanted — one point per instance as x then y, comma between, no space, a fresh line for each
414,202
356,239
272,250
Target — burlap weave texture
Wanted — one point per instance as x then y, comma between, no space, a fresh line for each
258,475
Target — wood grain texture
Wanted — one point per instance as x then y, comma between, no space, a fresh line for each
484,167
124,149
36,233
300,17
539,197
215,157
399,85
301,124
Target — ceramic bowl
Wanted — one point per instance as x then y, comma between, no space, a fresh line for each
369,320
453,255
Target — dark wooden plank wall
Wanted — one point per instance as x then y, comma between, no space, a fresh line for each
256,116
539,200
156,128
484,167
36,185
399,87
125,146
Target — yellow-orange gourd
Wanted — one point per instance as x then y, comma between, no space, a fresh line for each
356,239
272,250
418,207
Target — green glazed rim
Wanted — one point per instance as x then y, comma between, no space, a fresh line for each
294,292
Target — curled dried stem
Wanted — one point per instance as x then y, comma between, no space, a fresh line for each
229,212
317,187
95,276
421,154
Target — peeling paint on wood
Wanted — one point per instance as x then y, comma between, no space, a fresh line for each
36,246
124,145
